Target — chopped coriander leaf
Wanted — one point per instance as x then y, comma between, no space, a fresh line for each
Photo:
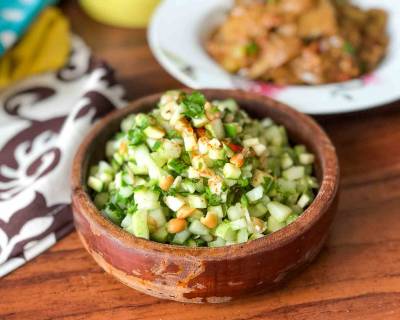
252,48
136,136
194,105
212,199
244,201
186,158
218,163
349,48
172,134
176,165
156,145
243,182
268,184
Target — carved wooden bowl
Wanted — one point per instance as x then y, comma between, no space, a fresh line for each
214,275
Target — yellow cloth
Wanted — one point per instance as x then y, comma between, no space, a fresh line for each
45,47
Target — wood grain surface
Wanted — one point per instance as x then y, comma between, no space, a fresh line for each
357,275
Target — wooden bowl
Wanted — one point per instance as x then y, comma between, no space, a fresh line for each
208,274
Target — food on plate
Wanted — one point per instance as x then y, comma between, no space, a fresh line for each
201,173
300,41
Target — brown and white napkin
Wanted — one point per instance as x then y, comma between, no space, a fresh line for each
42,121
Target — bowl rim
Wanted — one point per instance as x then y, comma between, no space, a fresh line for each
322,202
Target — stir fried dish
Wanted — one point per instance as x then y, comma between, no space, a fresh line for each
300,41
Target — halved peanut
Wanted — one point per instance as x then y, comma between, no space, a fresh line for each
210,220
123,147
166,182
237,160
185,212
259,225
176,225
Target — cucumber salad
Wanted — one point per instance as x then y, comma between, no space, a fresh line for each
201,173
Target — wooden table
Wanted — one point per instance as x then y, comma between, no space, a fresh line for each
357,276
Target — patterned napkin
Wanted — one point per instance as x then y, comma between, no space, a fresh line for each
42,121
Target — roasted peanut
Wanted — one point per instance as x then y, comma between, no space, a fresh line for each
210,220
185,212
166,182
123,148
176,225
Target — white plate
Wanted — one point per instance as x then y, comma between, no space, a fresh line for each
179,27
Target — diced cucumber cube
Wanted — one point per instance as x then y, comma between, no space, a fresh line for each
200,122
235,212
160,235
242,235
158,216
154,132
286,161
139,225
181,237
216,128
255,194
125,192
142,170
238,224
146,199
95,183
101,199
207,238
218,210
196,227
232,129
127,221
258,210
174,203
196,201
306,158
274,225
291,218
219,242
279,211
304,200
225,231
294,173
230,171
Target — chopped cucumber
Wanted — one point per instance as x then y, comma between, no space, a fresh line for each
96,184
255,194
216,128
146,199
225,231
239,224
196,201
242,235
274,225
139,225
231,171
196,227
181,237
279,211
294,173
235,212
205,163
